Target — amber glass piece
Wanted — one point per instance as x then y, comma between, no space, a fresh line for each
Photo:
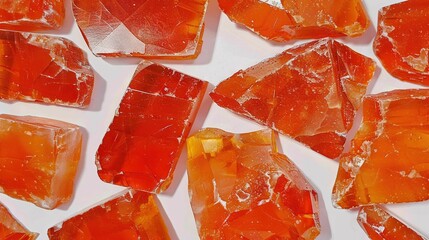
380,225
309,92
402,42
240,187
11,229
134,215
143,143
38,159
388,161
283,20
31,15
159,29
44,69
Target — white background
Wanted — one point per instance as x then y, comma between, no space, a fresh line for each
227,48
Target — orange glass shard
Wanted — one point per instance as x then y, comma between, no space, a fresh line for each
283,20
240,187
380,225
388,161
44,69
309,92
134,215
38,159
402,42
143,143
31,15
11,229
158,29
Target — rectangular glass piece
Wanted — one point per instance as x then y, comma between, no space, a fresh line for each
170,29
133,215
31,15
42,68
38,159
144,141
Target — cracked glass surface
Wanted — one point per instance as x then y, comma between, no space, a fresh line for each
309,92
379,224
144,141
38,159
240,187
388,160
158,29
31,15
133,215
291,19
397,24
44,69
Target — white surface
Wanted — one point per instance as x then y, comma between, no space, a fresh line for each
227,48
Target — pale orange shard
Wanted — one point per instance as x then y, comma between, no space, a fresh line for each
240,187
388,161
156,29
283,20
11,229
44,69
145,139
381,225
309,92
31,15
38,159
402,42
134,215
